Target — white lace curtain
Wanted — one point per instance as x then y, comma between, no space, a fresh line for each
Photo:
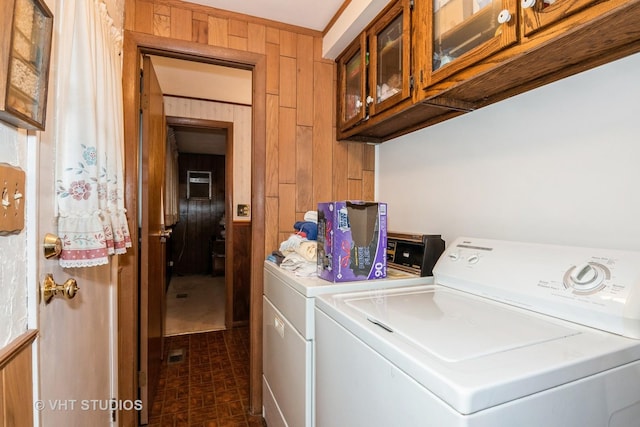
92,223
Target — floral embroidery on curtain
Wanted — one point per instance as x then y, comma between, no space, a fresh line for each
92,221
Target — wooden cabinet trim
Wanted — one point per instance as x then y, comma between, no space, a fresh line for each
15,347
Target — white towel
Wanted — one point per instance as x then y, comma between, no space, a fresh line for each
311,216
307,249
291,244
299,265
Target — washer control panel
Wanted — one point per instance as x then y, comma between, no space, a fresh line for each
594,287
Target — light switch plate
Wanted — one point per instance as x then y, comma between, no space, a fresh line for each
243,210
12,180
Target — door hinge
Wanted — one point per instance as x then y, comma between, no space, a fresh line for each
142,379
411,4
411,83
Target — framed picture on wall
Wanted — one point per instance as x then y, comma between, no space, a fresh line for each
25,48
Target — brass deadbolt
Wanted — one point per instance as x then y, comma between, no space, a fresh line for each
52,246
68,289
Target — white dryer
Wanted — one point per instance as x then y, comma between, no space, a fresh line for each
288,339
509,334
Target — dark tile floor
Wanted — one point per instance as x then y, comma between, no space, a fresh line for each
209,386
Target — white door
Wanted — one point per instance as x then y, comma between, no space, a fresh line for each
74,373
77,338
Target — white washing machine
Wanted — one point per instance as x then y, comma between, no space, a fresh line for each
509,334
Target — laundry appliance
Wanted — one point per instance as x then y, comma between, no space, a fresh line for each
509,334
288,324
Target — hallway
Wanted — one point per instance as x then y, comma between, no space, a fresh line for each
195,304
204,381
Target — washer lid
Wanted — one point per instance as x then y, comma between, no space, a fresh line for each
472,352
454,327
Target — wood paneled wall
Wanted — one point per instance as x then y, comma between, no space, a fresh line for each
304,164
241,261
16,381
199,221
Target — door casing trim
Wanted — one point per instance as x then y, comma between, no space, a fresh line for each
135,45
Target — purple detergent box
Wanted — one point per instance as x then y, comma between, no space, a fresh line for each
352,240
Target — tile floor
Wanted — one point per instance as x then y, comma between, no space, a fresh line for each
209,387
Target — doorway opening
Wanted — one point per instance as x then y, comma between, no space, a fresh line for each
197,285
135,45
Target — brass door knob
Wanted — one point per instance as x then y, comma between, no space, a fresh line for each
68,289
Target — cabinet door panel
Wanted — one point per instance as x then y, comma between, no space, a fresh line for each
537,14
390,54
465,32
352,84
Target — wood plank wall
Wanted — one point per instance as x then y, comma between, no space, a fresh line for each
199,218
241,274
304,164
16,381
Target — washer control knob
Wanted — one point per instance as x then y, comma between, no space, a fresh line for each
454,256
584,274
586,278
473,259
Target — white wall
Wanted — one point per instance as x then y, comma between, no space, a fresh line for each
560,164
13,248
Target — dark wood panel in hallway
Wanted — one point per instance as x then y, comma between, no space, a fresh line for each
204,381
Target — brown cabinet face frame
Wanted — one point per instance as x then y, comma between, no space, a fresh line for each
26,28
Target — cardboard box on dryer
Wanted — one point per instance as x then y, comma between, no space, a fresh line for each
352,240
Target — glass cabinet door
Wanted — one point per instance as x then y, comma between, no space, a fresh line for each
352,84
389,46
537,14
467,31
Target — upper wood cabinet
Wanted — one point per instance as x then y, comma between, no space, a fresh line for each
466,54
562,39
374,72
